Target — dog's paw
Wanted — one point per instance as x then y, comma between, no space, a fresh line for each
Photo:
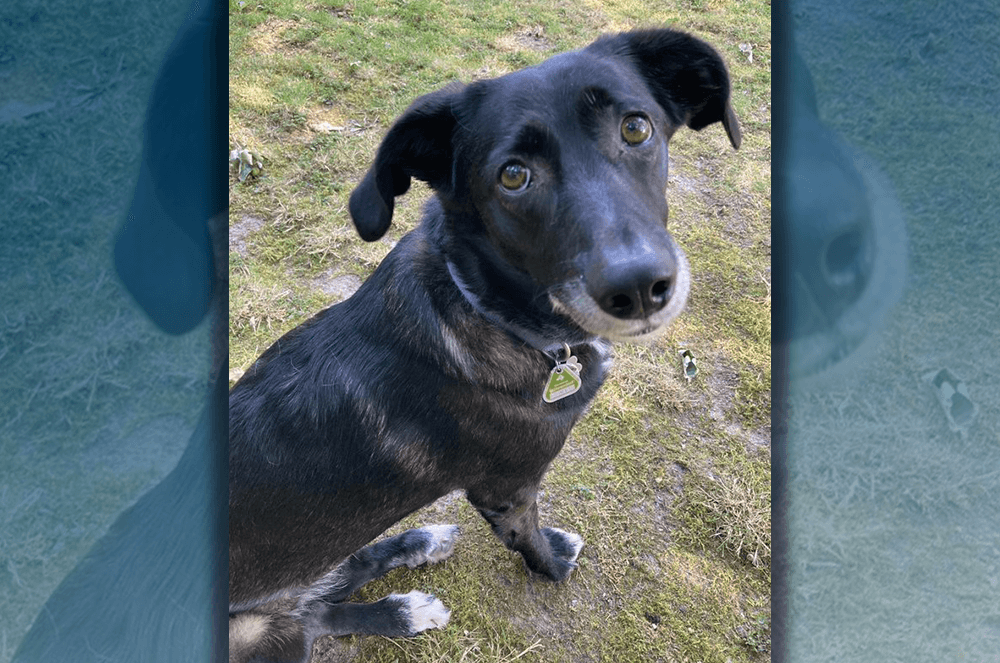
423,611
436,542
565,547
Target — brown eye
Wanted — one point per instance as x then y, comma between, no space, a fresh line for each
636,129
514,177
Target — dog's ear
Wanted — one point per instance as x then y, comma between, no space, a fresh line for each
685,75
418,145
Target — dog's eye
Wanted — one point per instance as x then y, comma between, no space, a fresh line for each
515,177
636,129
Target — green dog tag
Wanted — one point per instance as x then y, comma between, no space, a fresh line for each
563,382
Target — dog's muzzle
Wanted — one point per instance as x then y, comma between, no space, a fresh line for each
831,326
627,297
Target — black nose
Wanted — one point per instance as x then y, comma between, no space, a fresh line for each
847,260
632,289
832,252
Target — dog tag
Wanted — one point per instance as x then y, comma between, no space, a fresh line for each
562,382
564,379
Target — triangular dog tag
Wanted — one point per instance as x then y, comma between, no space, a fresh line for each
563,382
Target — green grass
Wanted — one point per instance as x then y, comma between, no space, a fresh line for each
667,481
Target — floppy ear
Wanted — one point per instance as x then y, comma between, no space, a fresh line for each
685,75
418,145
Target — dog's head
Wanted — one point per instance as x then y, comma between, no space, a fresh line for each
552,178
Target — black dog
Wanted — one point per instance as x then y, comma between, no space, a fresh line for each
451,366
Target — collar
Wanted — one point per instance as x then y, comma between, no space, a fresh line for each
552,349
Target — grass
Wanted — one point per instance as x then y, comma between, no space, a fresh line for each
95,403
667,481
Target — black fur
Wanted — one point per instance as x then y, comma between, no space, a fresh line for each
430,378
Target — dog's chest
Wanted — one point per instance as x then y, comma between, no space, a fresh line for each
506,395
553,380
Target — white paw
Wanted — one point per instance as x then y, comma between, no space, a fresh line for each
424,611
573,544
440,544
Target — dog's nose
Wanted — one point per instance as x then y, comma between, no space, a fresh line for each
834,250
633,289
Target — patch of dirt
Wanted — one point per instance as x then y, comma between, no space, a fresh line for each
758,441
267,36
240,232
525,39
327,119
340,286
335,650
324,119
344,13
444,509
667,492
722,382
698,184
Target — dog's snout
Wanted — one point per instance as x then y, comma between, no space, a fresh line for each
633,290
836,270
847,260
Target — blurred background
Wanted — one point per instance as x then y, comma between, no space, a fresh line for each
893,526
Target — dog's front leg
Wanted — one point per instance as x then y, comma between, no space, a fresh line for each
549,552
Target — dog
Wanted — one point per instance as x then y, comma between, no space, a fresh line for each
465,359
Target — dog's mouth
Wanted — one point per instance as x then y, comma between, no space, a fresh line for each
572,300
